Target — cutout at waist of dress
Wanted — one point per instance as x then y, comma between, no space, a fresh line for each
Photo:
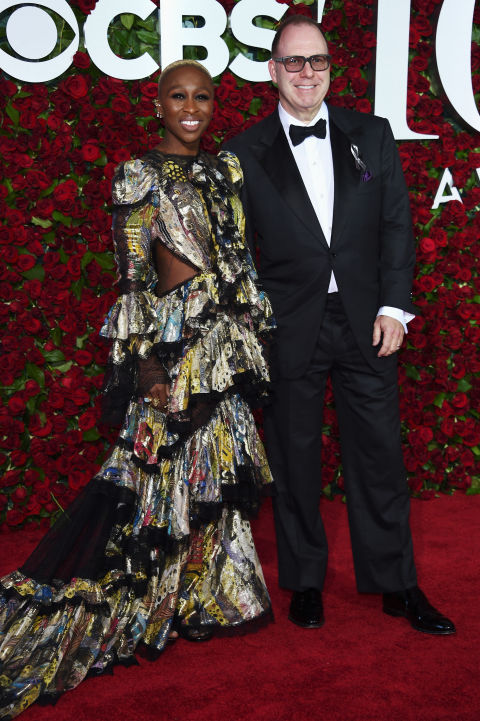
172,272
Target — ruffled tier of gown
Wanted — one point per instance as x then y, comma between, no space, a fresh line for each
67,631
178,548
178,314
160,536
211,348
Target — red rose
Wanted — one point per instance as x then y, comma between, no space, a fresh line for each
425,284
32,325
228,5
74,267
472,439
29,119
66,191
234,98
88,419
422,25
6,235
109,172
454,339
15,517
19,494
33,506
332,20
81,60
44,208
15,217
31,388
363,105
38,429
8,88
16,405
80,396
120,104
228,81
78,479
18,458
369,39
460,401
99,96
83,357
76,86
425,434
339,84
90,152
219,125
25,262
10,478
149,89
86,6
448,427
121,154
59,424
247,97
9,254
359,86
33,288
233,116
427,245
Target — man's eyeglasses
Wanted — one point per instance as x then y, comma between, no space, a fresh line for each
296,63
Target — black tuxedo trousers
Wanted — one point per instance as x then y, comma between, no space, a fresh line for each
378,502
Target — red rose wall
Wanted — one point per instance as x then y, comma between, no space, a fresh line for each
60,143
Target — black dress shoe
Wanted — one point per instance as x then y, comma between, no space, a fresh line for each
306,608
413,605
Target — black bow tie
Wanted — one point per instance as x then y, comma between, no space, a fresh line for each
298,133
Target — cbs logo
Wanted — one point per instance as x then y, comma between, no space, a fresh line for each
33,36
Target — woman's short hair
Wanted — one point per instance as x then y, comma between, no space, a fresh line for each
185,63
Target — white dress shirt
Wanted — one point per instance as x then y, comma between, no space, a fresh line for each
314,161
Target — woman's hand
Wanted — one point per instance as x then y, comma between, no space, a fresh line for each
158,395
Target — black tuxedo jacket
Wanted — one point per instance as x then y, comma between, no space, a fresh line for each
372,249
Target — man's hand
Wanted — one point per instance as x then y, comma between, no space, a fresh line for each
390,332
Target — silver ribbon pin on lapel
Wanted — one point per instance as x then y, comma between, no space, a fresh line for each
359,164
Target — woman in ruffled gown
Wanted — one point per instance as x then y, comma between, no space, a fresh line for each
158,544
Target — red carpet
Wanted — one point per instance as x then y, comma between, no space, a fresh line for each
361,666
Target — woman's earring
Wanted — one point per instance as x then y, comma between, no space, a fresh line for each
159,109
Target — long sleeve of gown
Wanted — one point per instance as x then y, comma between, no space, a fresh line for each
132,321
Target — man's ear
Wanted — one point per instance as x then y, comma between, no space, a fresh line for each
272,69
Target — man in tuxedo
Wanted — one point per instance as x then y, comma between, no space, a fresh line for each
326,199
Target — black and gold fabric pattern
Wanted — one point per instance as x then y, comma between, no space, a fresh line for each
160,538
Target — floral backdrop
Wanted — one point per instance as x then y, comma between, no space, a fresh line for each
60,143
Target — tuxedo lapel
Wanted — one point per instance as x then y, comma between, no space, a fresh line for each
275,156
346,177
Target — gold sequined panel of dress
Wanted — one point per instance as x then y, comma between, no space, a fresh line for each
160,536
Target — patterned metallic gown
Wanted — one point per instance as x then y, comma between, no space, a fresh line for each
160,536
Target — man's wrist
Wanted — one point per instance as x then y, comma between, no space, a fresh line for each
398,314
